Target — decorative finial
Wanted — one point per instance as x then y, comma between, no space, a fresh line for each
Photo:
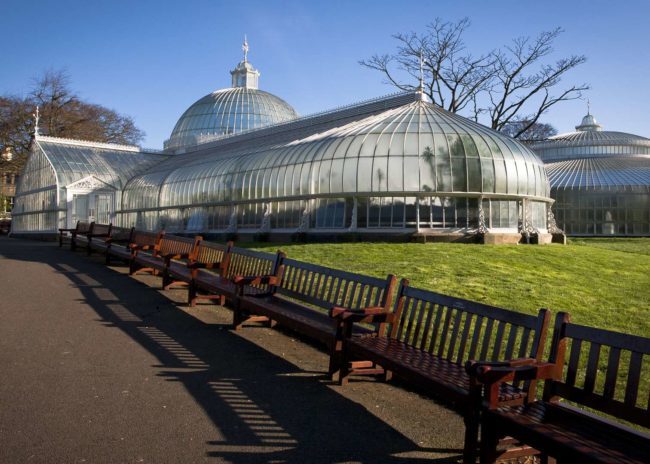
37,117
244,47
588,107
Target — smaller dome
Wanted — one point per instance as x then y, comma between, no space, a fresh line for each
589,124
591,141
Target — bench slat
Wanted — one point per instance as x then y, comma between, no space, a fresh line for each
574,358
496,350
478,325
525,340
613,361
463,341
592,367
633,375
512,338
445,331
487,336
454,336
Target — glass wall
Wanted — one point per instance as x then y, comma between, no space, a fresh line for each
622,212
36,199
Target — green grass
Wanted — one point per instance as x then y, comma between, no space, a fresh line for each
601,282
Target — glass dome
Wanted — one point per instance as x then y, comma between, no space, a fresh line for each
230,111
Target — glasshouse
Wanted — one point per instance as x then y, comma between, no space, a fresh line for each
599,179
241,161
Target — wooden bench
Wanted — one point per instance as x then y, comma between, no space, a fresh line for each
169,250
82,227
430,339
97,233
243,272
118,237
208,257
607,372
305,294
142,241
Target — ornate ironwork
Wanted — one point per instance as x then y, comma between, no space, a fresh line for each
551,224
482,226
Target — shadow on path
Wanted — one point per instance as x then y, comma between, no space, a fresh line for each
267,410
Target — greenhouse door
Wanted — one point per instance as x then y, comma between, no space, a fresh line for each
91,207
79,208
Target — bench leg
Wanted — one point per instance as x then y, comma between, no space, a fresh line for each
191,295
133,267
336,361
166,281
471,438
489,442
237,319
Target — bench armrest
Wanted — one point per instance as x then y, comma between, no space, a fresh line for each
241,281
492,376
171,256
199,265
367,315
135,246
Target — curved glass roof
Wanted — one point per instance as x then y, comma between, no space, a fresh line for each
73,160
226,112
592,173
389,146
588,141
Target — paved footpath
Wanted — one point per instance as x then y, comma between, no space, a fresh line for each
100,367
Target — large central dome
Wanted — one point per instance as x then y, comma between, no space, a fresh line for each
230,111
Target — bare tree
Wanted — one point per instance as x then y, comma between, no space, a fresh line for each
452,77
522,93
535,132
64,114
507,85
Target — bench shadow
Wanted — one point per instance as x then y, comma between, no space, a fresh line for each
267,410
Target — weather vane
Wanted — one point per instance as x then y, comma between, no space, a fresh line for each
244,47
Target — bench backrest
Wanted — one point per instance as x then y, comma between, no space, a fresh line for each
325,287
83,227
101,229
606,371
145,238
244,262
122,234
459,330
175,245
213,255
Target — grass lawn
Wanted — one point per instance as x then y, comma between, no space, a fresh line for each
601,282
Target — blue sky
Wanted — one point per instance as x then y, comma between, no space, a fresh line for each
152,59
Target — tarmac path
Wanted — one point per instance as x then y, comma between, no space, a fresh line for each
100,367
